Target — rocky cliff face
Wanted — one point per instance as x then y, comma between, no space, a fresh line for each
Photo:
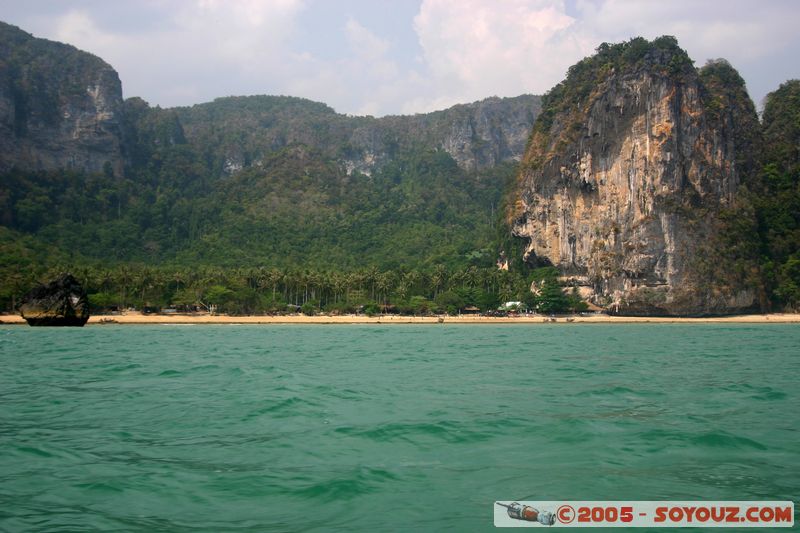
59,107
477,135
242,131
628,168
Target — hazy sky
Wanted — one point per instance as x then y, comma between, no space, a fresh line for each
397,56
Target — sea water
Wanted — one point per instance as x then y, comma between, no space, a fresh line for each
385,428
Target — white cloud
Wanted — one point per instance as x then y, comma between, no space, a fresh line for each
203,49
759,39
475,49
77,28
737,28
208,48
363,42
366,80
181,52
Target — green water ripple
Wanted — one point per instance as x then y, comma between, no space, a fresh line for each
295,428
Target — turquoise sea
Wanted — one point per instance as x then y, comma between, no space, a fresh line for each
385,428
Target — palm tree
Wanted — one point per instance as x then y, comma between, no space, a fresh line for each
105,279
124,280
178,277
144,280
338,284
353,282
411,279
470,276
261,280
438,279
371,277
17,284
383,283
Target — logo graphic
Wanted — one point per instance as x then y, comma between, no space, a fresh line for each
650,514
527,513
565,514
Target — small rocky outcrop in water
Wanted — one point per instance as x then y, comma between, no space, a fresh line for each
62,302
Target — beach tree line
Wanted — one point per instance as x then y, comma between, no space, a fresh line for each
271,290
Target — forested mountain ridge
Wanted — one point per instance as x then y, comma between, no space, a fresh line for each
62,109
241,130
241,181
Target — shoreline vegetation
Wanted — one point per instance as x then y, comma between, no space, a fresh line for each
132,318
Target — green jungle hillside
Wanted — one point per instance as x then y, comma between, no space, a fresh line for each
253,203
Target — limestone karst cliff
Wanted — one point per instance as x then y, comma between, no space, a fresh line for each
630,164
62,108
59,107
477,135
242,131
266,179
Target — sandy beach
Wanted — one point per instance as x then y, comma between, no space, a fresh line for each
139,318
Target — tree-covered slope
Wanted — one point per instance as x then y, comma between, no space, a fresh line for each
260,180
293,198
777,196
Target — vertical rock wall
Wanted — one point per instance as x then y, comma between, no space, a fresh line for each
622,190
59,107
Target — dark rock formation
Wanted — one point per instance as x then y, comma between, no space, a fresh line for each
62,302
630,164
